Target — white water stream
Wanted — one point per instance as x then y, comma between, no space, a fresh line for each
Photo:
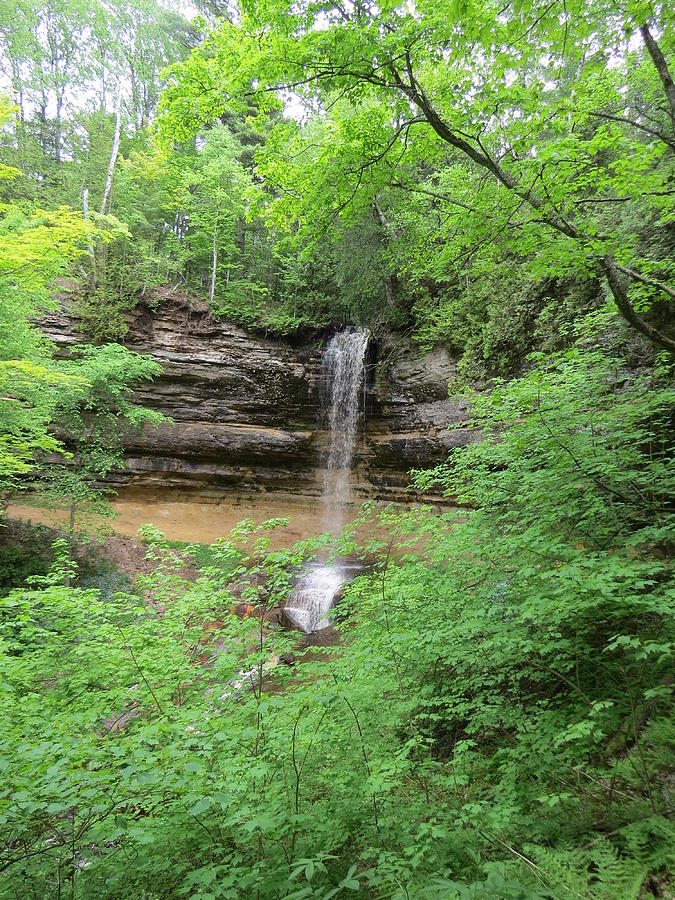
313,596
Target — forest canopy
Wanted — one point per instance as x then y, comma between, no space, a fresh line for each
313,165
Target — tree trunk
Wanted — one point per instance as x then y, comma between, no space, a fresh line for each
103,75
620,294
43,124
416,94
241,240
661,66
85,216
17,89
114,151
59,125
71,540
390,281
212,289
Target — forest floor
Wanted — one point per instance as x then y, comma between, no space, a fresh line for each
30,547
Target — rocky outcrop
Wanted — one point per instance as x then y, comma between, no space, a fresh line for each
247,410
409,413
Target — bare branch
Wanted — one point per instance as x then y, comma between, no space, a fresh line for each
652,282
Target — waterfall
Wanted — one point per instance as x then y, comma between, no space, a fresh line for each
343,376
313,596
315,593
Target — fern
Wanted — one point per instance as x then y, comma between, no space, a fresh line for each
597,873
650,840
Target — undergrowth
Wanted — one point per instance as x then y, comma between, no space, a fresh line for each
495,723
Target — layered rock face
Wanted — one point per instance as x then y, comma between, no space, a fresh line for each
247,410
408,412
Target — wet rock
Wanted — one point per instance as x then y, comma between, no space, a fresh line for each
118,721
243,610
420,375
274,615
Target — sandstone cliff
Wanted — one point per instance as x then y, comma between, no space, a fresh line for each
247,410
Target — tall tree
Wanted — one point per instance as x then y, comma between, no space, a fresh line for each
535,100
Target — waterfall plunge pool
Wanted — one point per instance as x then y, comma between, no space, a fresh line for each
196,518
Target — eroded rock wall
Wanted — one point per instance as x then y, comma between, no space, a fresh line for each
247,410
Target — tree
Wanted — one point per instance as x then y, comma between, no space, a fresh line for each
213,201
85,397
531,101
495,722
92,426
36,248
69,62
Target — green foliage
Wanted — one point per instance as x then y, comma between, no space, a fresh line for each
476,137
16,565
486,218
37,247
85,397
496,721
494,724
93,426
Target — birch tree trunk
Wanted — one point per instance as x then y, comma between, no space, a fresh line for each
114,151
90,245
212,289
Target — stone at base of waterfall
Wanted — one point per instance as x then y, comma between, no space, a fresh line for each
248,679
327,637
272,615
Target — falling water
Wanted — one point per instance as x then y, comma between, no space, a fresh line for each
343,376
313,596
316,592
